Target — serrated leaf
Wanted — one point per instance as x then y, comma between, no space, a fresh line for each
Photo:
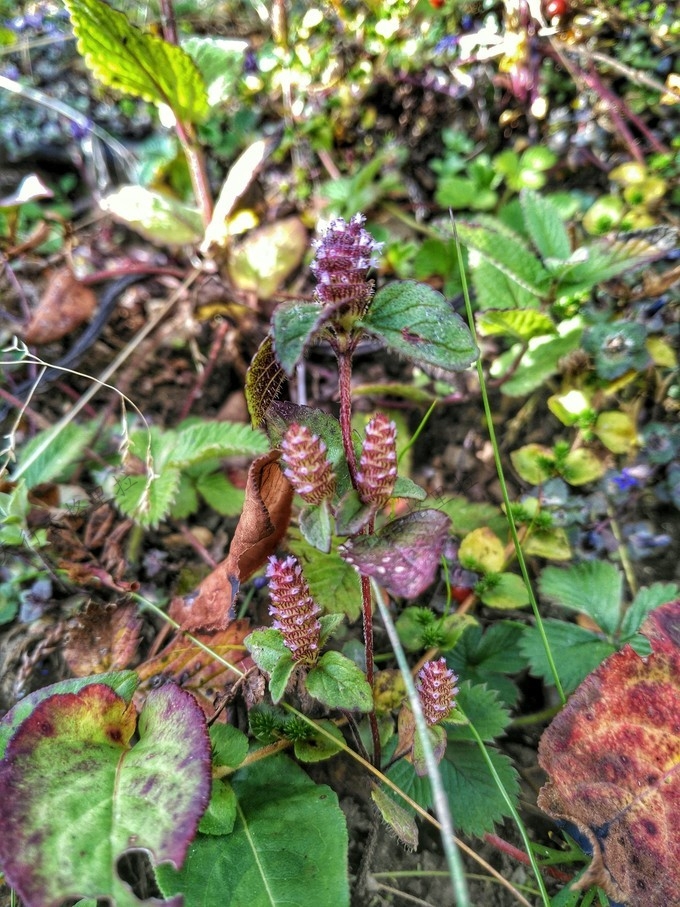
262,862
333,583
150,795
158,217
148,502
545,226
264,380
399,819
489,658
124,683
594,588
134,62
293,327
339,683
318,747
508,254
220,494
64,449
474,798
404,555
415,321
495,290
207,440
579,652
647,599
481,707
520,324
507,591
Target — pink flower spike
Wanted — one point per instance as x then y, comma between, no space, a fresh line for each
436,686
294,610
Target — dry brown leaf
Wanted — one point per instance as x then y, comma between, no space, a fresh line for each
102,638
64,306
263,523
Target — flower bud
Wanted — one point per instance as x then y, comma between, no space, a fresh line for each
344,255
377,470
294,610
307,468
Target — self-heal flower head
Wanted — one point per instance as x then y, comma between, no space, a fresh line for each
437,690
294,610
377,470
344,255
307,468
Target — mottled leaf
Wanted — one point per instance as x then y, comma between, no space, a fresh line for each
77,796
415,321
613,758
403,557
102,638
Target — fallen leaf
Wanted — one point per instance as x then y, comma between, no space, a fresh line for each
613,757
196,670
64,306
262,525
102,638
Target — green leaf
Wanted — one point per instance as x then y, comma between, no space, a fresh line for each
481,707
466,515
540,361
489,658
288,846
594,588
616,431
482,550
315,526
519,324
220,816
229,745
264,380
220,494
265,257
329,624
207,440
62,452
334,584
266,648
582,466
280,675
495,290
318,747
508,591
577,652
76,794
220,62
158,217
415,321
148,501
507,252
545,225
124,683
399,819
534,463
129,60
474,798
551,543
293,327
645,601
339,683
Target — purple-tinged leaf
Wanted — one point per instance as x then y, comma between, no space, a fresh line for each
76,796
403,556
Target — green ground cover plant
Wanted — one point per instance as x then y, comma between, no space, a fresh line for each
363,624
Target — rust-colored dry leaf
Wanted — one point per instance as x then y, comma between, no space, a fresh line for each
613,757
102,638
64,306
262,525
196,670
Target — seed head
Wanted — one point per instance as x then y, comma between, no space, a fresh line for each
436,685
294,610
307,467
377,470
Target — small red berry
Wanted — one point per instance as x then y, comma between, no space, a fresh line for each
555,9
437,4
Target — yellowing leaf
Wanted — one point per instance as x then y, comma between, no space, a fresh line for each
616,431
129,60
482,550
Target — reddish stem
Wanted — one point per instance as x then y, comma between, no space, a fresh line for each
345,388
520,856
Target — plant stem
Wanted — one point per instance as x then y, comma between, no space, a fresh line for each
197,171
344,357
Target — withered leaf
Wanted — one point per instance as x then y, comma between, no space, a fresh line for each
262,525
102,638
196,670
613,757
64,306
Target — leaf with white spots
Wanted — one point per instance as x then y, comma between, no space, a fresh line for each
404,555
